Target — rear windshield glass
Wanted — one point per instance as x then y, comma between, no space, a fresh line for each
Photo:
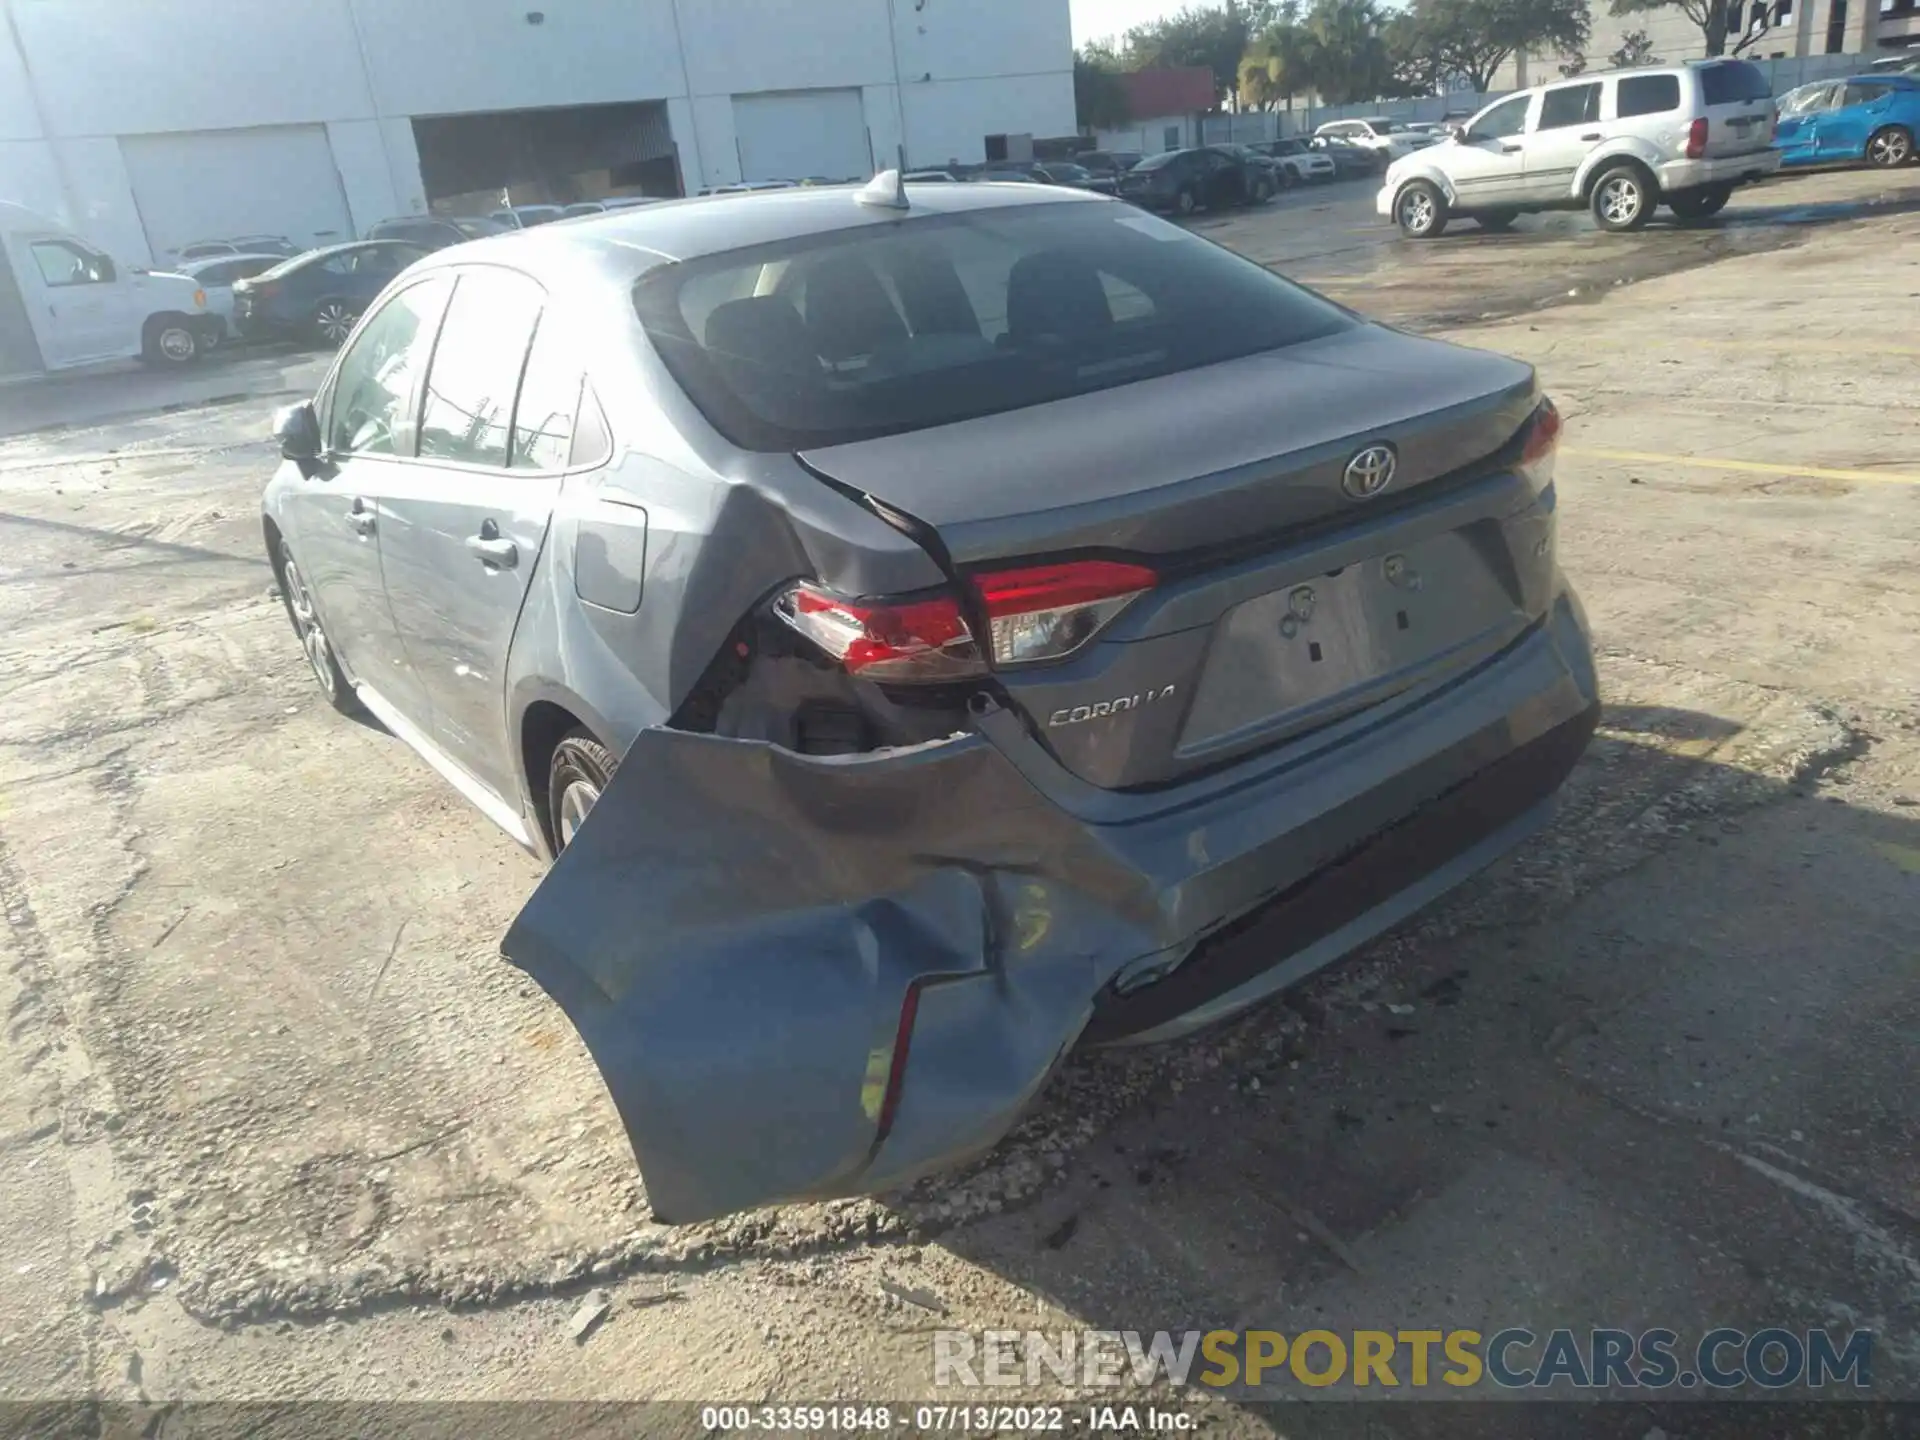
1154,162
884,329
1733,81
478,229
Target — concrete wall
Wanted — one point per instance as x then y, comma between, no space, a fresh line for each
76,75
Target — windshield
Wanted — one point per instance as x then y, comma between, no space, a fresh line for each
1071,172
884,329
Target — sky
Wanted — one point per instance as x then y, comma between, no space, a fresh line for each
1100,19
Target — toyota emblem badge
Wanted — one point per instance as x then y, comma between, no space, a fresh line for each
1369,472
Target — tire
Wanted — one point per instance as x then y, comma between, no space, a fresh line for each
1186,202
1701,204
333,321
1420,210
1623,198
1287,178
1890,147
1497,219
1262,193
313,636
579,772
169,341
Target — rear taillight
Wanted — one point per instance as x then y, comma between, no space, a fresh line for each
1037,613
1542,441
1048,611
1697,138
922,638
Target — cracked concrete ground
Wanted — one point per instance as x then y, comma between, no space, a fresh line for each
277,1121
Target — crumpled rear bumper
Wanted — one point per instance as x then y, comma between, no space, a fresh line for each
737,929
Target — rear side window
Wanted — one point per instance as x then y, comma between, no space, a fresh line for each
1864,94
549,400
1570,105
1732,82
880,330
1647,95
476,367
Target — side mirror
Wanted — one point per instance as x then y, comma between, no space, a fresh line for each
297,428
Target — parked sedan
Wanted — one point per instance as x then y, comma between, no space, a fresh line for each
715,571
216,276
1349,160
1868,118
1065,172
240,245
319,296
1305,162
1183,181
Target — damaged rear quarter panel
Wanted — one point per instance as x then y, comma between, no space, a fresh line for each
734,930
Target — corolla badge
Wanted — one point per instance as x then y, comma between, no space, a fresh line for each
1370,472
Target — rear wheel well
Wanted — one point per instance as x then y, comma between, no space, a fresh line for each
1614,162
542,729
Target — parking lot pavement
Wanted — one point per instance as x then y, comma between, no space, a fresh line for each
233,375
274,1107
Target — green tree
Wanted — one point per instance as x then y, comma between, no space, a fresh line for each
1212,36
1339,51
1099,97
1636,48
1474,38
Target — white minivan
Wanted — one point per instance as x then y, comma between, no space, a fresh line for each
65,302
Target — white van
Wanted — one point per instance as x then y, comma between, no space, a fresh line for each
65,302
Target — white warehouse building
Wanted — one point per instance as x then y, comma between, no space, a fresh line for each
147,125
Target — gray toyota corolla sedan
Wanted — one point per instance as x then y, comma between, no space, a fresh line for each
932,629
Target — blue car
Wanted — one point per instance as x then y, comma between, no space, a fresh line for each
319,296
1871,118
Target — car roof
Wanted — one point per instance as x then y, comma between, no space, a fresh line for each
622,243
204,261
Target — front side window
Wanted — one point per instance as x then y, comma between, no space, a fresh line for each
1569,105
62,263
1646,95
468,412
371,412
1507,118
854,334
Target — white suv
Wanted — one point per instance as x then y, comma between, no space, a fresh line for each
1388,139
1622,143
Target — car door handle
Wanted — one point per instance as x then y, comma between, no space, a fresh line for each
1593,135
360,518
1509,149
492,548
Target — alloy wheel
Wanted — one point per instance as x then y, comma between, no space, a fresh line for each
306,622
1621,199
576,801
1416,211
335,322
1889,148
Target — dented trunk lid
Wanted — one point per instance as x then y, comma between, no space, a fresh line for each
1285,601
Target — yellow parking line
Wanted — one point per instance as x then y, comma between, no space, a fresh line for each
1745,467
